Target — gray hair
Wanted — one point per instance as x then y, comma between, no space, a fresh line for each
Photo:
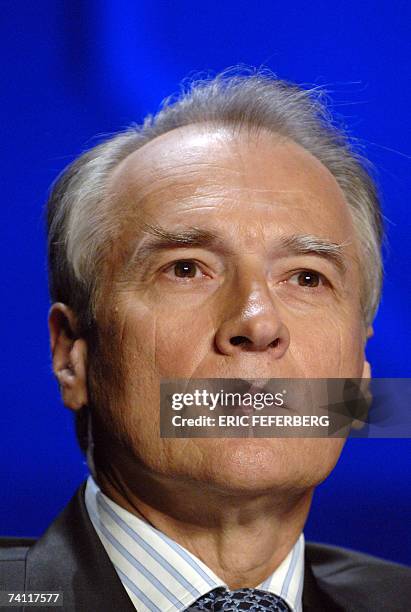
80,224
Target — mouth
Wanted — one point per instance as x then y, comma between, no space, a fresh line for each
240,395
252,388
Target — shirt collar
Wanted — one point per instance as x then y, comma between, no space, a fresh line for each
159,574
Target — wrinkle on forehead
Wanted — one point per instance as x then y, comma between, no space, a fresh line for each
187,150
196,173
197,157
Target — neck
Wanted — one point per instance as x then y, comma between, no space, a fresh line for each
241,538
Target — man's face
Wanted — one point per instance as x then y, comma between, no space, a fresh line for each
173,310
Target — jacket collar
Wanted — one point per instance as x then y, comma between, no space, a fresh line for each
80,566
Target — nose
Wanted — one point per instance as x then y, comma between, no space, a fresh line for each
253,325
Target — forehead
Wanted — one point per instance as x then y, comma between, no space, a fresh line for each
210,175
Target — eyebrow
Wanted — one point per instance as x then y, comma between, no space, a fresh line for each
161,239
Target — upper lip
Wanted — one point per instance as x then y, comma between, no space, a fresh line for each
249,386
256,385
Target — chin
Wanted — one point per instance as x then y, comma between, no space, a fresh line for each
247,466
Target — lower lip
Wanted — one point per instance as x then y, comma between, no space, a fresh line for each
247,409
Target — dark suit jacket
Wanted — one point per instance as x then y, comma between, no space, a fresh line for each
69,557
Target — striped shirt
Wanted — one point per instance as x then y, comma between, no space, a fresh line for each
159,574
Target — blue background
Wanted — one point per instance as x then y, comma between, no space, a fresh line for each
71,70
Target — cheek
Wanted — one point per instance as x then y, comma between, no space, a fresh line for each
183,343
166,342
329,347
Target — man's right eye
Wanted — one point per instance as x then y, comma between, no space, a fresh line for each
184,268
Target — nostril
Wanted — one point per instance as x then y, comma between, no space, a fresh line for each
236,340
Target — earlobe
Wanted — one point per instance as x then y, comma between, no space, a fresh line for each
69,356
366,372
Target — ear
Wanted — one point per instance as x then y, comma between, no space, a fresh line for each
366,373
69,356
365,388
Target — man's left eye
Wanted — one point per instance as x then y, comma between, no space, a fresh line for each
307,278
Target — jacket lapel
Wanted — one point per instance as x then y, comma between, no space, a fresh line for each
314,598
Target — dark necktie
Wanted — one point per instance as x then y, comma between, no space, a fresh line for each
251,600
